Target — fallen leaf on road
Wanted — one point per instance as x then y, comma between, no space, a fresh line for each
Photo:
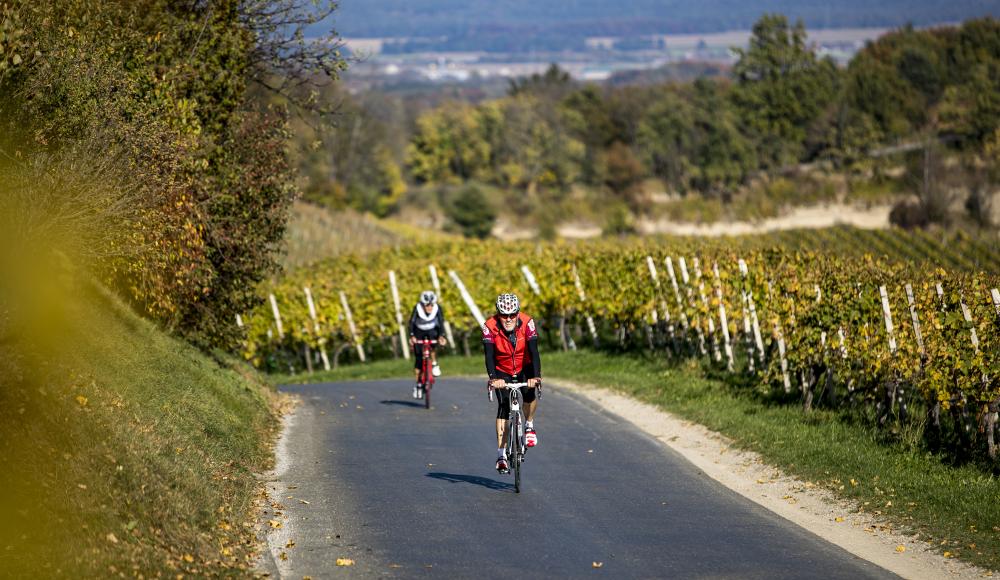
345,562
901,548
395,565
283,556
188,558
81,400
838,519
303,501
597,564
947,554
274,524
290,544
111,538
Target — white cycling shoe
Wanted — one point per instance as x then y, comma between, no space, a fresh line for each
436,370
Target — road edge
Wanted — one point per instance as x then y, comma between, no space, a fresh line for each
814,509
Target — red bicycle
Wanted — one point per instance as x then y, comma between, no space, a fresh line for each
425,381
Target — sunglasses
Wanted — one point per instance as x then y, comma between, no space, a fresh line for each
507,316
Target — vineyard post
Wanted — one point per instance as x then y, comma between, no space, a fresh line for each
972,327
677,292
437,290
989,419
915,321
753,312
277,316
350,325
690,302
467,298
532,282
723,321
747,330
781,353
663,303
403,342
583,298
887,316
239,321
716,354
321,340
992,415
895,397
307,352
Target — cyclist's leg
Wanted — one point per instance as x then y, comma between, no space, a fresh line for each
503,414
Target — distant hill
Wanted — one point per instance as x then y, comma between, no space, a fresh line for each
505,23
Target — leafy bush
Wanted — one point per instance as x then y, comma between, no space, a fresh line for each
472,213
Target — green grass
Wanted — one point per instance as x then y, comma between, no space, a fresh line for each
954,508
124,450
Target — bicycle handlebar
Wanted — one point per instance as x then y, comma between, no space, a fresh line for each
509,386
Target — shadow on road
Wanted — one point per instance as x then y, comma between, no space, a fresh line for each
473,479
402,403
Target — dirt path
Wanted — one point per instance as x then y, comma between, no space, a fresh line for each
823,216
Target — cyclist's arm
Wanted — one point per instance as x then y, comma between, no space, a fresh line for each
439,320
491,361
413,321
536,362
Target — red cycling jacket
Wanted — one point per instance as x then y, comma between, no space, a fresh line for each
510,356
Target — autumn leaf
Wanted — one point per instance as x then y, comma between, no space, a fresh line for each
81,400
901,548
345,562
274,524
188,558
111,538
597,564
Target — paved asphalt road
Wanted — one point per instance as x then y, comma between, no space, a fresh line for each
408,492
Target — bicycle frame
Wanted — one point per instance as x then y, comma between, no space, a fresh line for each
426,380
514,431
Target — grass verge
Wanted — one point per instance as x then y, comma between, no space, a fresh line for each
126,452
952,508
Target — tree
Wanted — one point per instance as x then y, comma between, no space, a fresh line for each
472,213
781,88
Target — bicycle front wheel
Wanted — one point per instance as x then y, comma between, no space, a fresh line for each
515,458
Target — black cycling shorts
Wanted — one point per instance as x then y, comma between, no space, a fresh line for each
503,395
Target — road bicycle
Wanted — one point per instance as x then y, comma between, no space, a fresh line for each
516,445
425,381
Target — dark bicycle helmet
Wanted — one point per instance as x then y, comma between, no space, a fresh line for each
508,304
428,297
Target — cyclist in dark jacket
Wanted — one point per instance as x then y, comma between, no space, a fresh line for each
426,322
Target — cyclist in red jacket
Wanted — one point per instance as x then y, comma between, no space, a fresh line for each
510,340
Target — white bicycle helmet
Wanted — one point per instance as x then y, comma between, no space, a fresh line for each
428,297
508,304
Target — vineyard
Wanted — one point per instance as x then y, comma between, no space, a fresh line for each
904,326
